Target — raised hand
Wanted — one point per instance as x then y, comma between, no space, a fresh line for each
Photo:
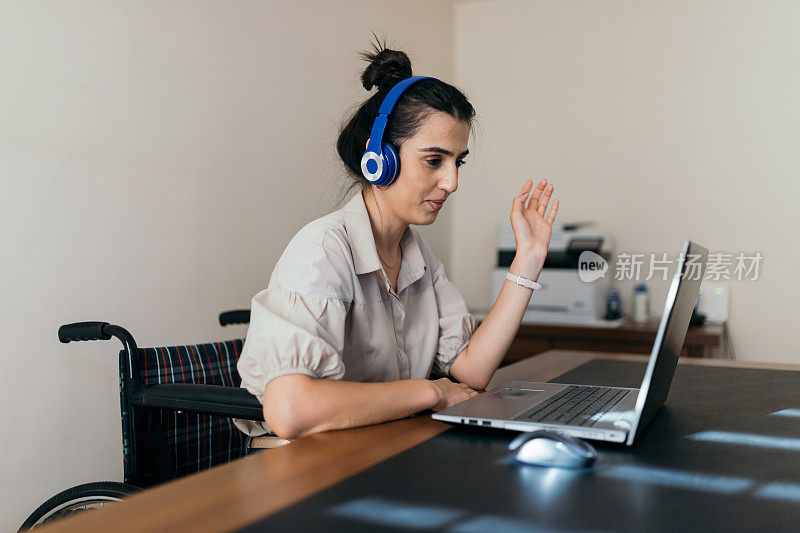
531,229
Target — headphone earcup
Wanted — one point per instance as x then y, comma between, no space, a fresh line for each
391,165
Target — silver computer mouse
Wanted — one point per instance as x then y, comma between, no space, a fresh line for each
550,448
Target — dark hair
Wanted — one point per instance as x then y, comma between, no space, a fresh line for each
386,68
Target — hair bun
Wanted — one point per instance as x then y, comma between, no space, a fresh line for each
386,68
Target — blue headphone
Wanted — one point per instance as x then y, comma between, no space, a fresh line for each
380,164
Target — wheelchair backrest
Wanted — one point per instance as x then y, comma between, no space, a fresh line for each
194,442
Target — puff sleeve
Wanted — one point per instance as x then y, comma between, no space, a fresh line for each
456,323
297,324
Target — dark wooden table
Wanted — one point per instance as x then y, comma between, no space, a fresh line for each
244,491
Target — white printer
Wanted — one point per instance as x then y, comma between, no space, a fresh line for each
564,298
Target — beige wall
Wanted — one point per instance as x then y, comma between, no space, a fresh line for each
155,159
659,120
151,158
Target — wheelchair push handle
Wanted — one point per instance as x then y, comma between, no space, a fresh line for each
239,316
96,331
83,331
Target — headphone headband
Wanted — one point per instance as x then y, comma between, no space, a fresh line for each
378,127
380,164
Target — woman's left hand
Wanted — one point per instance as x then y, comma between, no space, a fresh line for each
531,229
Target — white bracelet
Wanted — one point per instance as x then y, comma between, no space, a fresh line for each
525,282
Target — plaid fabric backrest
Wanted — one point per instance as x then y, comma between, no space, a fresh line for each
195,441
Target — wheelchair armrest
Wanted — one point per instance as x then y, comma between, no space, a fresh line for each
234,402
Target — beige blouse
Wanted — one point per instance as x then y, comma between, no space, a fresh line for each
329,312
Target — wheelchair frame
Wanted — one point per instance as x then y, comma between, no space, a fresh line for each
139,405
232,402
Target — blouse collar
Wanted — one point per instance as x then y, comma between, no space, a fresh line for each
362,242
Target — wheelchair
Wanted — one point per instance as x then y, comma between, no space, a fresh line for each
176,406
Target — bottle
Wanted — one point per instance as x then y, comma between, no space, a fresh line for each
613,304
641,303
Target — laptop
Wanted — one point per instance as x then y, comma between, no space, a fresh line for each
615,414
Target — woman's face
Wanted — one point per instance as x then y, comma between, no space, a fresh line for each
429,163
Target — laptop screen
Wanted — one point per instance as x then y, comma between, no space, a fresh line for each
681,300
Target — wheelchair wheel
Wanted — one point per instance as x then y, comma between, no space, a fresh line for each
78,499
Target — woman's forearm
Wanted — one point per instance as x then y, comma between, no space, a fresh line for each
296,405
476,365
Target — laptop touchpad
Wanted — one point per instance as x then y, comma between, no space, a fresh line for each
517,394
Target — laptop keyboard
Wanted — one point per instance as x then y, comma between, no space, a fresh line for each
575,406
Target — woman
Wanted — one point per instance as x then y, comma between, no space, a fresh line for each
358,311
